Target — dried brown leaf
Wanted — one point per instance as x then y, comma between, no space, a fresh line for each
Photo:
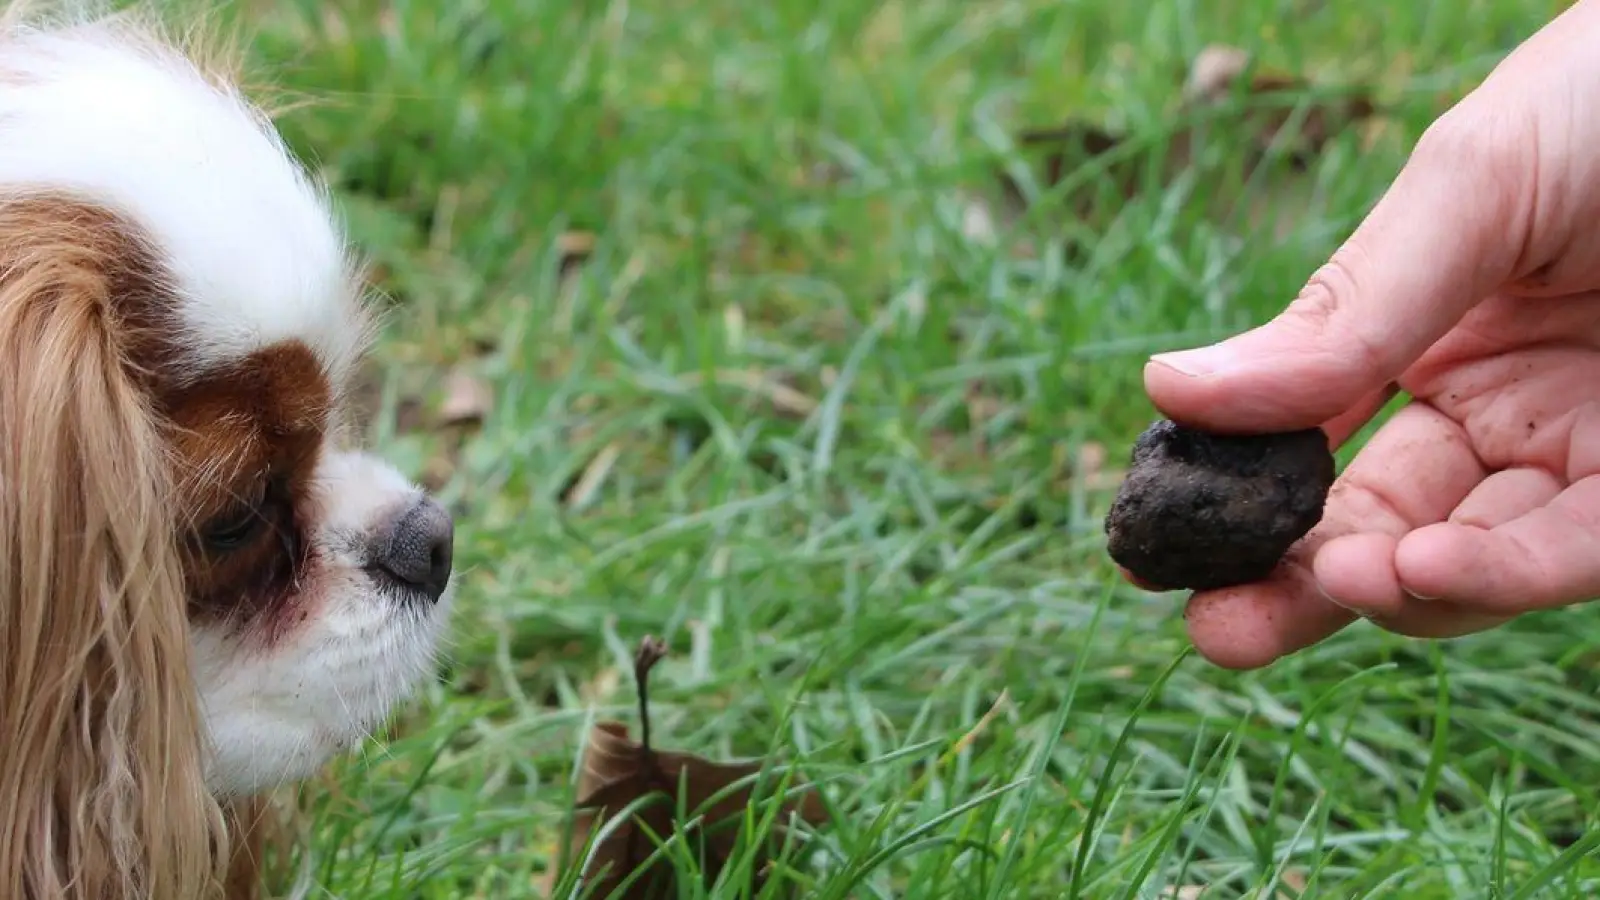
467,399
618,771
1213,71
977,221
1090,468
1091,458
574,248
1218,70
1105,482
575,244
1214,76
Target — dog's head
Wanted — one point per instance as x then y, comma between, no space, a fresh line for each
205,591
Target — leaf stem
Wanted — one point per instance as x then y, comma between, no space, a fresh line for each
651,651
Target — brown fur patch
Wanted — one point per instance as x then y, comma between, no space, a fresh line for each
247,440
245,436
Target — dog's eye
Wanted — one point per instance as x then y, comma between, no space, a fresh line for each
231,531
239,525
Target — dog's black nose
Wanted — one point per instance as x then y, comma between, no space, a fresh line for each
418,551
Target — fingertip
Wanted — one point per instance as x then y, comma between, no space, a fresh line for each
1185,395
1226,637
1222,639
1255,383
1138,582
1357,572
1226,642
1254,626
1438,562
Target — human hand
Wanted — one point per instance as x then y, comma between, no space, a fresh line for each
1474,287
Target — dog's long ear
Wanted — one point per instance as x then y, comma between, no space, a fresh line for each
102,788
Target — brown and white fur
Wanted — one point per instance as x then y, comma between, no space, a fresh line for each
205,591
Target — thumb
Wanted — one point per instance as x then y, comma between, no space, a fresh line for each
1446,234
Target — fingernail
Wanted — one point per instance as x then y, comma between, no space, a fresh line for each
1194,363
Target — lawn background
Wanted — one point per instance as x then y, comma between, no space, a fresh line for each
856,568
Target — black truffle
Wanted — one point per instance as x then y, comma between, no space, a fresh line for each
1202,511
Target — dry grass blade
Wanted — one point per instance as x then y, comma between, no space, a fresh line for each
784,399
587,488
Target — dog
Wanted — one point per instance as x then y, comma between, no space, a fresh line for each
207,590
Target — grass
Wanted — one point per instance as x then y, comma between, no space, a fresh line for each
893,573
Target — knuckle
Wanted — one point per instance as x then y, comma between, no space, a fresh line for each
1377,506
1332,286
1459,135
1447,140
1320,311
1485,142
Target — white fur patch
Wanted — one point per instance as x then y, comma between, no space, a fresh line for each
136,128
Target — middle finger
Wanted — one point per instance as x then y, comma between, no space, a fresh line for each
1414,471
